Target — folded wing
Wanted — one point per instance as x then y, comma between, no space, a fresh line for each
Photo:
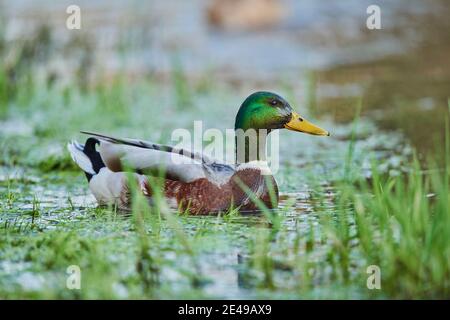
149,158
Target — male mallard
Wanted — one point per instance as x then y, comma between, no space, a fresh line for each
201,186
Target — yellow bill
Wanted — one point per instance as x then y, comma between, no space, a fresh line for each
298,123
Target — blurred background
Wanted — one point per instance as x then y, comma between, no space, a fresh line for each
321,53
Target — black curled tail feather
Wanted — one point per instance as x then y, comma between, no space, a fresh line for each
87,157
93,154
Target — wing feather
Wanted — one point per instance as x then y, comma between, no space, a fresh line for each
150,158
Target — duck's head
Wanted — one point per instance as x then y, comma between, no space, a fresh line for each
267,110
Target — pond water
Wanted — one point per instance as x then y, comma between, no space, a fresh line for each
39,206
221,244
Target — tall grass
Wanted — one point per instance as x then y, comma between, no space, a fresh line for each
311,93
403,226
150,217
399,223
181,89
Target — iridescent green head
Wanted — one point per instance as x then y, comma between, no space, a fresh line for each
267,110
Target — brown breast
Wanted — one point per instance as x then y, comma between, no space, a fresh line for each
204,197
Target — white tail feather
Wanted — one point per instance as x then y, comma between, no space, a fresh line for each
80,158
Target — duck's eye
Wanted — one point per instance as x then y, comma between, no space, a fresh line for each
274,102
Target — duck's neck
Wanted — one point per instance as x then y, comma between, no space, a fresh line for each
250,145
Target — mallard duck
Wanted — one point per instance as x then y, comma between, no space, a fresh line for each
200,185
